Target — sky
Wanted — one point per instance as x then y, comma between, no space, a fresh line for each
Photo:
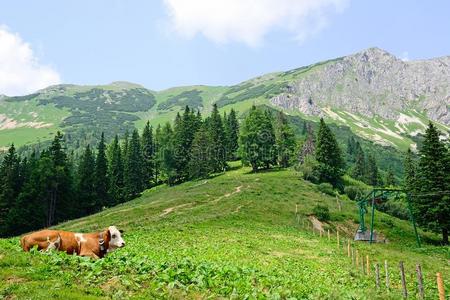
167,43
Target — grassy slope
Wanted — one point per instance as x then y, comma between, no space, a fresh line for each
234,235
29,111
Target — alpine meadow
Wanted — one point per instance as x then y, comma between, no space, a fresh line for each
329,179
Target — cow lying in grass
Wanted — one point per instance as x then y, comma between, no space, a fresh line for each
94,245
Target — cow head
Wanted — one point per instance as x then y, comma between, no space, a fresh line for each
115,238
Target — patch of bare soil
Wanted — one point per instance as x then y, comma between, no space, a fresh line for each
173,208
317,225
237,190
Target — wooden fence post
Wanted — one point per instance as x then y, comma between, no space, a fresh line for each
353,256
377,275
337,236
362,264
328,234
440,284
387,274
296,210
420,282
348,248
402,275
357,259
367,265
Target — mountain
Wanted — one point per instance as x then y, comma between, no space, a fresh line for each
380,97
226,238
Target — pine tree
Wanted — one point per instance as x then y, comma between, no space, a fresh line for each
101,174
60,204
166,159
158,152
148,154
200,163
372,171
410,170
390,178
9,187
432,204
328,155
217,134
184,130
258,140
29,211
133,177
285,140
115,172
87,196
359,169
232,135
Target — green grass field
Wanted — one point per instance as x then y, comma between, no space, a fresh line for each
234,236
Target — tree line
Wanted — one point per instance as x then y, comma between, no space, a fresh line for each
54,185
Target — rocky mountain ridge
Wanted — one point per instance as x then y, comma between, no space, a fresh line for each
372,83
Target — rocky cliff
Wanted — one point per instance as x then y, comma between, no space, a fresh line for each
372,83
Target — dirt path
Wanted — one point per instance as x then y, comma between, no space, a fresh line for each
173,208
237,190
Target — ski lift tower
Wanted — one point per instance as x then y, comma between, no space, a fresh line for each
373,198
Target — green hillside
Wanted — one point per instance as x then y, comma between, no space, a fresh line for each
233,236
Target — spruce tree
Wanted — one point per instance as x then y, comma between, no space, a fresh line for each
232,135
101,174
390,178
200,163
60,205
158,152
9,187
184,129
359,169
148,154
258,140
410,170
372,171
285,140
166,156
133,177
87,196
218,141
432,203
328,155
115,172
28,213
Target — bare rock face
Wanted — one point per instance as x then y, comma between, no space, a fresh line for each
373,82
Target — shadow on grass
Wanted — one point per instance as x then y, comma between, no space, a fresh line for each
262,171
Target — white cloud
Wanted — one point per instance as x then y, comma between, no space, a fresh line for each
249,21
20,70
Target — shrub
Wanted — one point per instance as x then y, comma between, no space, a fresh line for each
326,188
353,192
321,212
308,169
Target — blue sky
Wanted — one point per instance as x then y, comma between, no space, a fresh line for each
165,43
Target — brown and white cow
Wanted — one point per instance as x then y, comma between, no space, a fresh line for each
94,245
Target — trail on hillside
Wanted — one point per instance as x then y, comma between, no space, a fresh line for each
237,190
173,208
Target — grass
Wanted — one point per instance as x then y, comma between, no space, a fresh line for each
233,236
30,111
